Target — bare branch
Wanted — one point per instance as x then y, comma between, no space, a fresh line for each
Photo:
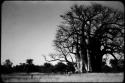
53,59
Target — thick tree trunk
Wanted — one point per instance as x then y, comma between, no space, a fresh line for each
79,64
89,68
83,58
84,63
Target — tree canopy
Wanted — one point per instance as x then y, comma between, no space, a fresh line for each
85,29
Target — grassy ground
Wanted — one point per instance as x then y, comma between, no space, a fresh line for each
85,77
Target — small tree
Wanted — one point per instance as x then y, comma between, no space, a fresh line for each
60,67
48,68
29,65
7,66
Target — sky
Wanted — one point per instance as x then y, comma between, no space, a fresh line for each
29,28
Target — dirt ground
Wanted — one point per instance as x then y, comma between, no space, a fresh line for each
85,77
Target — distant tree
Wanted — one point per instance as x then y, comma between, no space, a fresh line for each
29,61
29,65
7,66
22,67
48,68
60,67
8,63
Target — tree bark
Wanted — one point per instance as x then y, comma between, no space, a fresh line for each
78,63
89,69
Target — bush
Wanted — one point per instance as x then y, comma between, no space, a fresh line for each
60,67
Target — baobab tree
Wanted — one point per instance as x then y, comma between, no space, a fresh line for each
85,30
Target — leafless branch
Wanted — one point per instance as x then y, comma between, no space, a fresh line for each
53,59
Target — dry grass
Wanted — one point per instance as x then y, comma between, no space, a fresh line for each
85,77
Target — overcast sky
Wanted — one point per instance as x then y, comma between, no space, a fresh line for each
29,28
